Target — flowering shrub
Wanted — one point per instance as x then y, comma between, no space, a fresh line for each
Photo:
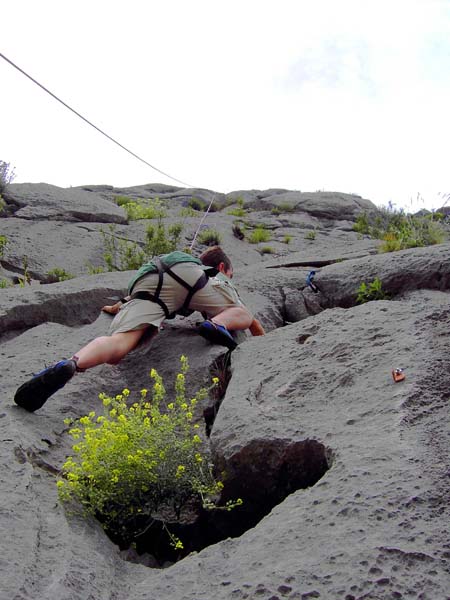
138,462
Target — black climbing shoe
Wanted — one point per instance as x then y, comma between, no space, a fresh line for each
216,334
36,391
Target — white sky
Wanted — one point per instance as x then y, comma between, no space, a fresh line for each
341,95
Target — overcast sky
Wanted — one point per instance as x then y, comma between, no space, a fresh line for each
349,96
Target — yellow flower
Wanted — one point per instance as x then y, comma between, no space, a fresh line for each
144,393
180,470
171,406
215,380
196,439
126,392
60,484
153,373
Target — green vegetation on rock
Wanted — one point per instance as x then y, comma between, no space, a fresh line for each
373,291
140,460
399,231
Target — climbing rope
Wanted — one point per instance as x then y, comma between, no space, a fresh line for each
94,126
201,223
112,140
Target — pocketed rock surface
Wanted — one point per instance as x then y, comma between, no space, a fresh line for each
348,470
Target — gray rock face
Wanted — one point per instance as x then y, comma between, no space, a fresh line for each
50,202
324,205
344,473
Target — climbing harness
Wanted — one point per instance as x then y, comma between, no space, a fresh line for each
161,268
310,282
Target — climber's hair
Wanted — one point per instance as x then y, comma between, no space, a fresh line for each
213,256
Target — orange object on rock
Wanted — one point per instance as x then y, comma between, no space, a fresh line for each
398,375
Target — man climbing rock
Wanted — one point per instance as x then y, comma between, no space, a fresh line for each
166,285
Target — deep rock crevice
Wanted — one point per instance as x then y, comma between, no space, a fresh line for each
262,474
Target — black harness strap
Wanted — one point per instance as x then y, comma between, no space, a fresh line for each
163,268
152,298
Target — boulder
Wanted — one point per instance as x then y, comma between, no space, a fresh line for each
44,201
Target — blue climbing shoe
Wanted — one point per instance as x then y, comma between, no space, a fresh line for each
216,334
36,391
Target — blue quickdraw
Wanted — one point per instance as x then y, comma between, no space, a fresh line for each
310,283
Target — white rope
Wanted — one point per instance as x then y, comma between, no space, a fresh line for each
201,223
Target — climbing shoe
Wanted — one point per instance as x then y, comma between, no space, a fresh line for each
216,334
36,391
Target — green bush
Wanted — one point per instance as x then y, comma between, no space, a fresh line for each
287,239
120,254
4,283
58,274
209,237
435,216
7,175
146,209
285,207
140,461
26,277
121,200
187,211
197,204
159,240
93,270
259,234
412,232
362,224
373,291
267,250
311,235
124,255
239,211
400,231
3,244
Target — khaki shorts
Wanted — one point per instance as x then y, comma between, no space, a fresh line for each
212,299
